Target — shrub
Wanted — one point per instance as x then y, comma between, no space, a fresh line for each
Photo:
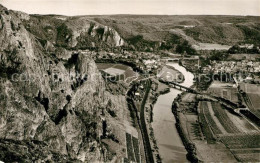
101,31
185,47
91,28
64,34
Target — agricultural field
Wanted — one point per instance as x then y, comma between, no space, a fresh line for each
192,128
254,99
241,123
136,149
244,146
242,141
221,121
214,152
223,118
133,152
210,120
208,148
252,102
237,134
207,132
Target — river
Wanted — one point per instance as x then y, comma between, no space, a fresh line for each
171,148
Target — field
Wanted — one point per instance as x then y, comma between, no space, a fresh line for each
132,145
128,74
207,147
235,132
252,102
208,46
205,127
209,118
255,101
221,121
224,119
245,146
242,141
216,119
136,149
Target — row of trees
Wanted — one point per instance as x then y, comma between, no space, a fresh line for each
173,43
236,49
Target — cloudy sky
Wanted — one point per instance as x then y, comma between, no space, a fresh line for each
162,7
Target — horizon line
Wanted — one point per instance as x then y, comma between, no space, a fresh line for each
140,15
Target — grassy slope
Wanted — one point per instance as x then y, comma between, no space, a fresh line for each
211,29
153,29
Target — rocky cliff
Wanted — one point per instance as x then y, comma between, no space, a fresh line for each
53,102
82,28
72,32
170,31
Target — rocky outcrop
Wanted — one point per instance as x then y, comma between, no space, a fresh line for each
71,33
83,28
52,106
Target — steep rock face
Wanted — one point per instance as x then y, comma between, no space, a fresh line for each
224,30
107,34
53,104
85,28
72,32
20,56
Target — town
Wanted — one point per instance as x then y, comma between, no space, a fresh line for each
126,87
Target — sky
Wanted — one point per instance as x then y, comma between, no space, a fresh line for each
143,7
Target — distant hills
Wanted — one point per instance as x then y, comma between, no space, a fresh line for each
53,105
144,32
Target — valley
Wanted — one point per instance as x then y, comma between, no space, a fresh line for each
129,88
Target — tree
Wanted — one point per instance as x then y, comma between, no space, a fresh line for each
185,47
234,49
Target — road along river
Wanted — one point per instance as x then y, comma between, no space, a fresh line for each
171,148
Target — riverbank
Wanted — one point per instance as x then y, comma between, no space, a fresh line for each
171,147
157,90
141,97
189,146
178,106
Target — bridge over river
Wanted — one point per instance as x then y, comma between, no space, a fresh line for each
179,86
169,59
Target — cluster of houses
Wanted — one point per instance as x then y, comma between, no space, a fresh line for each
233,67
145,60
